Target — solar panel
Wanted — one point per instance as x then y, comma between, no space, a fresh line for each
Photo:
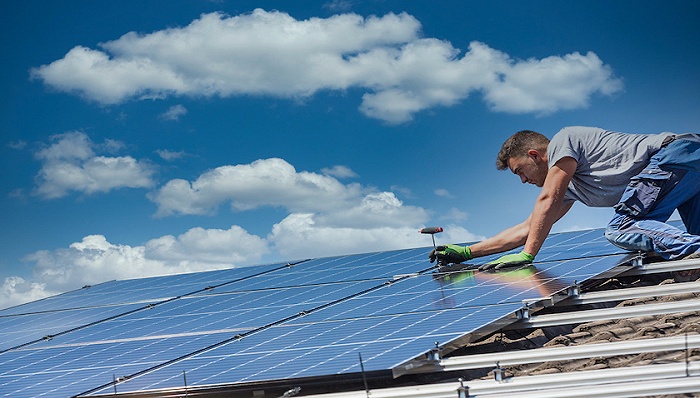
144,290
388,326
20,329
46,318
279,321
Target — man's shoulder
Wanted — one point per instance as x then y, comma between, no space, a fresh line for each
575,136
579,131
595,136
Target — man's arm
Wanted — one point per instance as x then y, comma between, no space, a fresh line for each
532,232
549,207
507,239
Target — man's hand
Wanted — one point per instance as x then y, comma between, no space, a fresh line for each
509,261
448,254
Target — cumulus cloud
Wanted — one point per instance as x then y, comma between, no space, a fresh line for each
338,5
169,156
443,193
16,290
323,217
17,145
174,112
303,235
454,215
373,209
208,246
339,171
319,207
265,182
274,54
70,163
95,260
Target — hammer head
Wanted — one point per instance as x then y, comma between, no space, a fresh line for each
431,230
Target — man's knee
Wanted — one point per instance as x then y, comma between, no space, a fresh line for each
624,233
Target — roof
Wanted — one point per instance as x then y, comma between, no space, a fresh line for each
385,322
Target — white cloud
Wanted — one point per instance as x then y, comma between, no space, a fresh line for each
90,261
265,182
95,260
339,171
338,5
551,84
324,218
71,164
443,193
378,221
271,53
300,235
454,215
276,183
17,145
174,113
208,246
170,155
375,209
16,290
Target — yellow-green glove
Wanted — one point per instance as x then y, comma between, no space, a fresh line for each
509,261
449,254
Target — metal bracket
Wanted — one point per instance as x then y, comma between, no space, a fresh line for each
638,260
574,291
435,354
523,313
498,373
430,362
462,390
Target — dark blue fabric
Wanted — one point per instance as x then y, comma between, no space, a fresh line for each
670,182
681,154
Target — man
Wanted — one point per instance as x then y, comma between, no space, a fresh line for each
643,177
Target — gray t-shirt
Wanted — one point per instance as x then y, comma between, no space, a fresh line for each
606,161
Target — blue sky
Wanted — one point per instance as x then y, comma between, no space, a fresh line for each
144,138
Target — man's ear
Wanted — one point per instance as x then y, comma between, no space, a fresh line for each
534,154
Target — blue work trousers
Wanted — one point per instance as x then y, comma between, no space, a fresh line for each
671,181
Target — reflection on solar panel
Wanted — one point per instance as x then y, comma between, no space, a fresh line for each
313,318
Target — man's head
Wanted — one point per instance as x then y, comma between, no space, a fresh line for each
525,154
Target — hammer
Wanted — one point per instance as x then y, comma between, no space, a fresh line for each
431,231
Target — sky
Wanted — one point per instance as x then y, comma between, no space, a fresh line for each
168,136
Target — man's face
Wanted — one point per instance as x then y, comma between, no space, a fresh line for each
531,169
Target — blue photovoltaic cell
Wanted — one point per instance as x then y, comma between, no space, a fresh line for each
570,245
327,347
231,313
19,329
276,321
32,321
381,325
149,290
380,266
147,338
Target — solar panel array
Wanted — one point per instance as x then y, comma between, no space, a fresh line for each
281,321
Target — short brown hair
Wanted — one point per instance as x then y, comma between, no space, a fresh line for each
518,144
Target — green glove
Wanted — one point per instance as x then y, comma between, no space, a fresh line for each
448,254
509,261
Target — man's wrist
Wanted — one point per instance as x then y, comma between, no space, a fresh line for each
467,253
527,255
